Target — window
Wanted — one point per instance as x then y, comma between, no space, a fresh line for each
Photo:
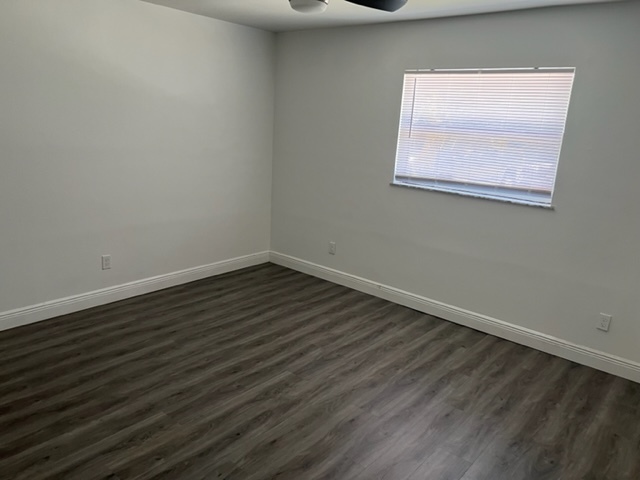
491,133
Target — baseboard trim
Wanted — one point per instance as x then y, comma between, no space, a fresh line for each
64,306
524,336
531,338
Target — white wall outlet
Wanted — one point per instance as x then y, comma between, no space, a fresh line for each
332,248
106,262
604,323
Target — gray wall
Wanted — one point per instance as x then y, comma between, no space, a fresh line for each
337,109
132,130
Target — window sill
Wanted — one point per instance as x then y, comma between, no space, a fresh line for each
478,195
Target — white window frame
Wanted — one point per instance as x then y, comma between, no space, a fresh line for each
491,192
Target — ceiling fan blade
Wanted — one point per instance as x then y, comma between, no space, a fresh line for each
386,5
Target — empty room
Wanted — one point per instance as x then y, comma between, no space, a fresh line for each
320,239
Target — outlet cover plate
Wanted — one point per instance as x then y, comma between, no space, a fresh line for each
604,323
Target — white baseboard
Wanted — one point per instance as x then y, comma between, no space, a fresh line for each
63,306
540,341
524,336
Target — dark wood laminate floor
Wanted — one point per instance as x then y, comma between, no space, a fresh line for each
268,373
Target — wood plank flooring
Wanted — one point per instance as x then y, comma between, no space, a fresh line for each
267,373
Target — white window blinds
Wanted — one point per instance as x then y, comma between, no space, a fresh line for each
492,133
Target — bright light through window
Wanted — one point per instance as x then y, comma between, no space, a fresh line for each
492,133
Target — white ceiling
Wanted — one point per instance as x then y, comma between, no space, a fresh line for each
276,15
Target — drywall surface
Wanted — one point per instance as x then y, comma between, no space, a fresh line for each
132,130
337,109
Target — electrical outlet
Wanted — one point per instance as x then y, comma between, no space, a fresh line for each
332,248
605,322
106,262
